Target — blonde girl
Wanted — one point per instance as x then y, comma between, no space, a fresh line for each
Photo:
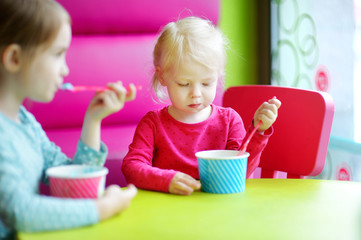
189,60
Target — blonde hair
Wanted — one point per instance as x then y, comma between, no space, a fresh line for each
30,23
191,38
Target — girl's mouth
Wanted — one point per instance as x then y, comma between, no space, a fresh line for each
194,105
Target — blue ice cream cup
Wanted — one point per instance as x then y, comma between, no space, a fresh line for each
222,171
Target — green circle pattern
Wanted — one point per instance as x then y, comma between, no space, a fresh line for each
304,48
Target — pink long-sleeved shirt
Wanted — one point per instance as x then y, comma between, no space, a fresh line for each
162,146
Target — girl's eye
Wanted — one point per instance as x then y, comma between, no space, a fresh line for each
60,53
205,84
183,84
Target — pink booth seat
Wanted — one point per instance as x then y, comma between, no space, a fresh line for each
112,40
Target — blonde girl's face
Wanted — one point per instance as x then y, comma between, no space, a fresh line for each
192,89
48,68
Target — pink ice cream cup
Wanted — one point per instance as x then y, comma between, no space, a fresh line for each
77,181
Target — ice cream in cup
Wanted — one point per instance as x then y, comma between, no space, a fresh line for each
77,181
222,171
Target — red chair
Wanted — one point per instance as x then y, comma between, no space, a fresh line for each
299,143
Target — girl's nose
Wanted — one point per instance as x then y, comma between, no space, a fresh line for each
196,91
64,70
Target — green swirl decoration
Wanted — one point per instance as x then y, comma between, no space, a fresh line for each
297,34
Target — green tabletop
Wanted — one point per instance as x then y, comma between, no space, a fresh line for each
268,209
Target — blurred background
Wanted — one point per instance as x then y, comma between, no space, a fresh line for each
305,44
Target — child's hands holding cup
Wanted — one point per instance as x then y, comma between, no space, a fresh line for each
267,113
183,184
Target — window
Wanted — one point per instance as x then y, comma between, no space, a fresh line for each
357,71
312,47
317,45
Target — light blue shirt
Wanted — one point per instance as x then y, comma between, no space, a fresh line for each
25,154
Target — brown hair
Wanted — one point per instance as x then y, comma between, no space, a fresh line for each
30,23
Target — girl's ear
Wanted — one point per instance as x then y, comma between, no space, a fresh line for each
160,77
11,58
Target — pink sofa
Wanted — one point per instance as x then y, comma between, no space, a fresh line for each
112,40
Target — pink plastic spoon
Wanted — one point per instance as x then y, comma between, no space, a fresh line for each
70,87
244,147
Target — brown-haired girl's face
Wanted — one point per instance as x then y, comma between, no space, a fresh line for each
48,67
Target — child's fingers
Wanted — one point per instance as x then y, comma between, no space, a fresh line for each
125,94
272,104
117,100
269,110
113,99
121,197
119,89
191,182
266,122
183,188
131,191
186,185
131,94
275,101
267,113
110,100
181,192
183,184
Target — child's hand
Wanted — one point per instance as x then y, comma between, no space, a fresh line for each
103,104
114,201
107,102
267,113
183,184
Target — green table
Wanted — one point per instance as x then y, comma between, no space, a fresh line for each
268,209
